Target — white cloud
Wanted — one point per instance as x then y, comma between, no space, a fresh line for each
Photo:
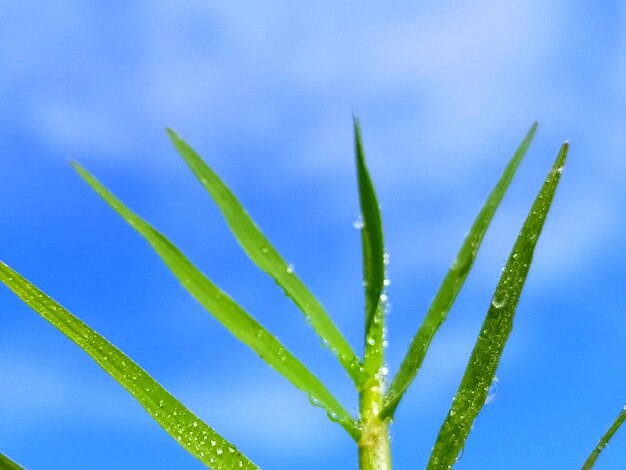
278,416
249,58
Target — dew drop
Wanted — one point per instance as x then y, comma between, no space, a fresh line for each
460,456
314,401
387,282
219,451
493,391
384,371
499,302
371,341
358,223
290,269
391,430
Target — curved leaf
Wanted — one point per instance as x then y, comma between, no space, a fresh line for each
190,432
264,255
236,320
481,369
452,283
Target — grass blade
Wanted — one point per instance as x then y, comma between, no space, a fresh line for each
373,260
189,431
8,464
243,326
481,369
264,255
591,460
374,449
452,283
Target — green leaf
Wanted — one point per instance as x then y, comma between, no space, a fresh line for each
243,326
481,369
452,283
8,464
591,460
264,255
189,431
373,259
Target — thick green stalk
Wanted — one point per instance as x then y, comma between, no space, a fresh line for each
374,449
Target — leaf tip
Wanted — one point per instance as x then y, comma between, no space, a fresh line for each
171,134
79,168
562,156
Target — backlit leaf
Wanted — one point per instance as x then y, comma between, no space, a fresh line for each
236,320
452,283
266,257
186,428
481,369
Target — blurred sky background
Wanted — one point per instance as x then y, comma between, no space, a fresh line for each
264,91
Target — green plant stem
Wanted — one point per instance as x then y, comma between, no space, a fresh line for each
374,449
591,460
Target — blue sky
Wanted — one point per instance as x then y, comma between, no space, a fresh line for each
265,91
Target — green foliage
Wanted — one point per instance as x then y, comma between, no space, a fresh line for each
481,370
265,256
376,408
374,449
180,423
373,246
452,283
243,326
8,464
604,441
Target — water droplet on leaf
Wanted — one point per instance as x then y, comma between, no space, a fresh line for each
493,391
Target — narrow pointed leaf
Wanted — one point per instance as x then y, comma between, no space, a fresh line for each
264,255
189,431
452,283
8,464
481,369
591,460
373,259
236,320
